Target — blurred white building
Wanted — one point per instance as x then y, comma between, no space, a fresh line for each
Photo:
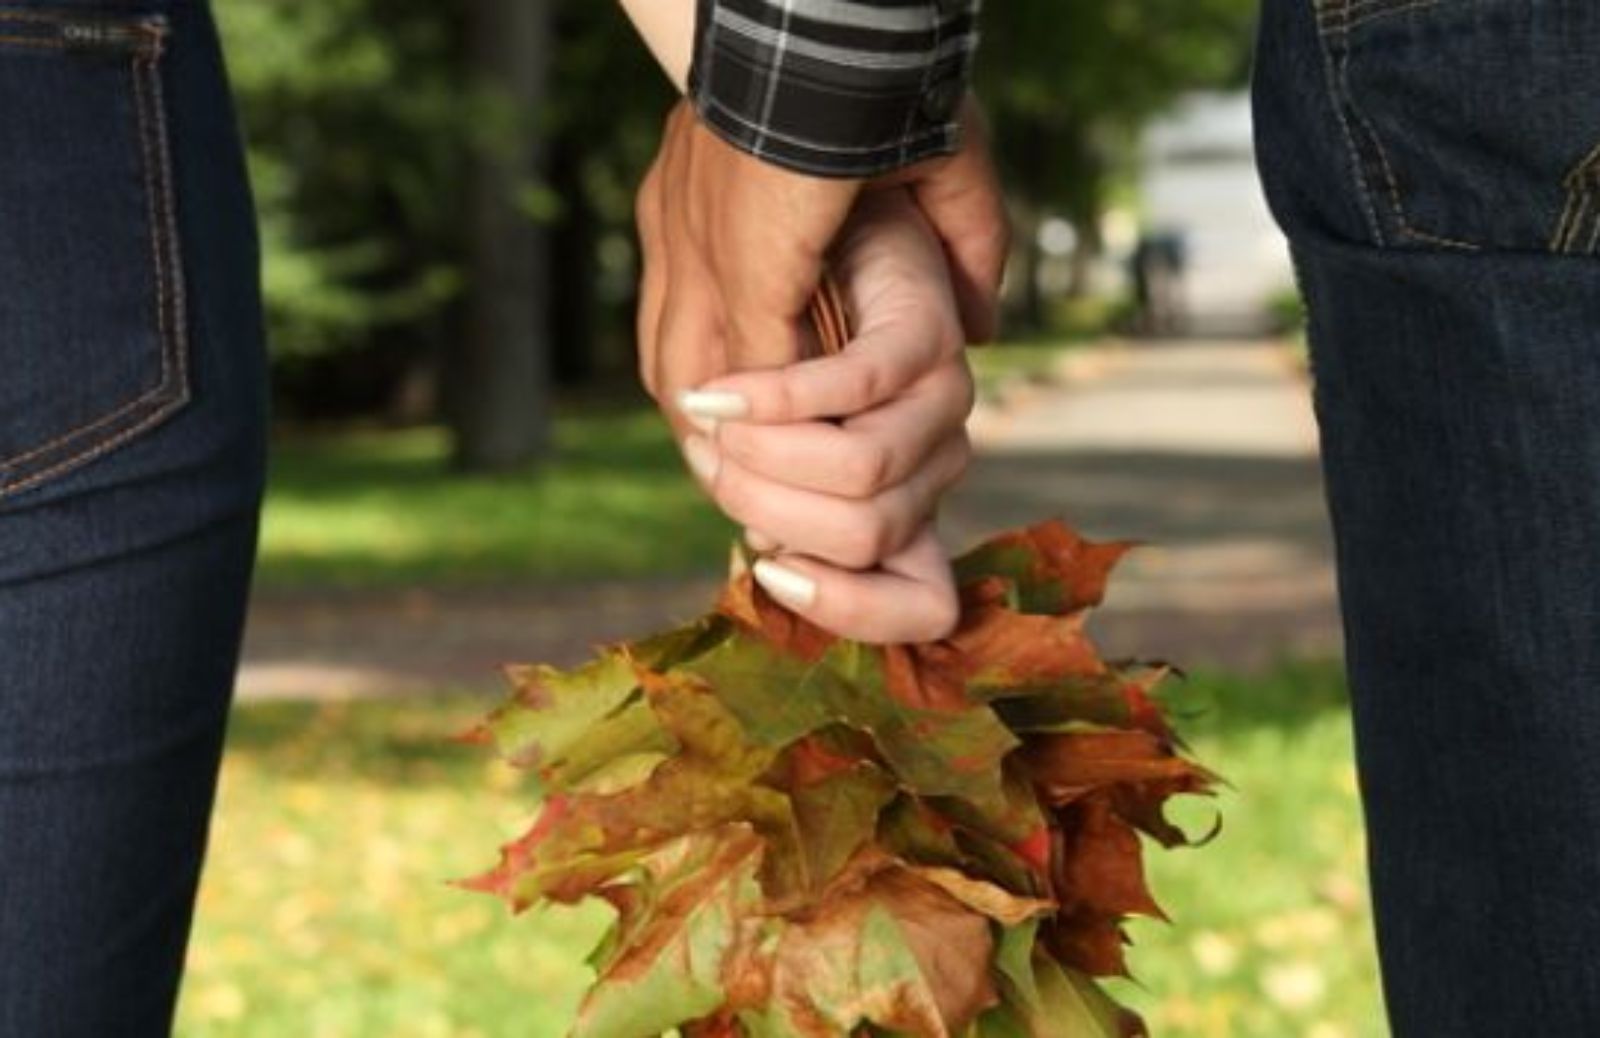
1199,183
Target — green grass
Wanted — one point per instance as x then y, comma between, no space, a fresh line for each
324,912
381,509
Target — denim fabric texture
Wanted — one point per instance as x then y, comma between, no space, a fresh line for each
1436,165
132,417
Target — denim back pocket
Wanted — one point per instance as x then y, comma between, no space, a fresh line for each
1471,124
92,333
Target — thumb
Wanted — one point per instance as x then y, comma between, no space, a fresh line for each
690,348
962,199
770,244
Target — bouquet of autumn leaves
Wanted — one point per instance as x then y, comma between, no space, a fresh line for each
806,836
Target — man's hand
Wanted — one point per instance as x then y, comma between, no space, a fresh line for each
847,506
734,247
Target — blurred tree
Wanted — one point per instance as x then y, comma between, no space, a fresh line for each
607,107
406,174
499,371
1068,84
356,122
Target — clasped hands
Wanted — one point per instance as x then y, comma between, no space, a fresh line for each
834,465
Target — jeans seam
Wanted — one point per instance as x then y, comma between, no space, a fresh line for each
1334,23
33,41
1583,185
172,390
1343,17
1334,69
1401,220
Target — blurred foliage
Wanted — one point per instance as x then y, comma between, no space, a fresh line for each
1069,83
362,116
356,119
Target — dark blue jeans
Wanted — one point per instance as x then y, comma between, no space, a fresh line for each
1436,164
131,444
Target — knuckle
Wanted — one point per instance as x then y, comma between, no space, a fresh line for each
777,401
963,450
967,395
866,388
866,542
954,460
866,470
954,383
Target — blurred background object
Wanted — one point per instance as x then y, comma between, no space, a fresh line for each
466,472
1209,228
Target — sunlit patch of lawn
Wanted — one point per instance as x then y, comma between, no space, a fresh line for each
325,910
1271,933
382,508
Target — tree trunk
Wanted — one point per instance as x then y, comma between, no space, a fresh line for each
572,303
501,394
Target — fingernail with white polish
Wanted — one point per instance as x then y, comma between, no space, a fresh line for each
704,424
713,403
702,457
792,589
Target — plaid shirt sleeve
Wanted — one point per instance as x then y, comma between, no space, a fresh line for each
839,88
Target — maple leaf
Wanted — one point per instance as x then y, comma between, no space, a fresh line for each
886,944
806,836
1048,1000
675,965
1046,568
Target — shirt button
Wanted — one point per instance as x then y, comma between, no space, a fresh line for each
940,102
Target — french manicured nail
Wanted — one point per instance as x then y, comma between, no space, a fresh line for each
760,541
713,403
792,589
702,457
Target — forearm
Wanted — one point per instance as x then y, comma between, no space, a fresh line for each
667,27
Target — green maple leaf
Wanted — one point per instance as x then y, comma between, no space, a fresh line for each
675,967
588,726
1049,1000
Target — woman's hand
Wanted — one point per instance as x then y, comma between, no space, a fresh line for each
847,507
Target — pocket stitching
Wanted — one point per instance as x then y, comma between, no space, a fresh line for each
1400,218
1352,15
34,41
1335,77
1344,107
150,115
1581,186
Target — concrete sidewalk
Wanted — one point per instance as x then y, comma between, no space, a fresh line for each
1206,450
